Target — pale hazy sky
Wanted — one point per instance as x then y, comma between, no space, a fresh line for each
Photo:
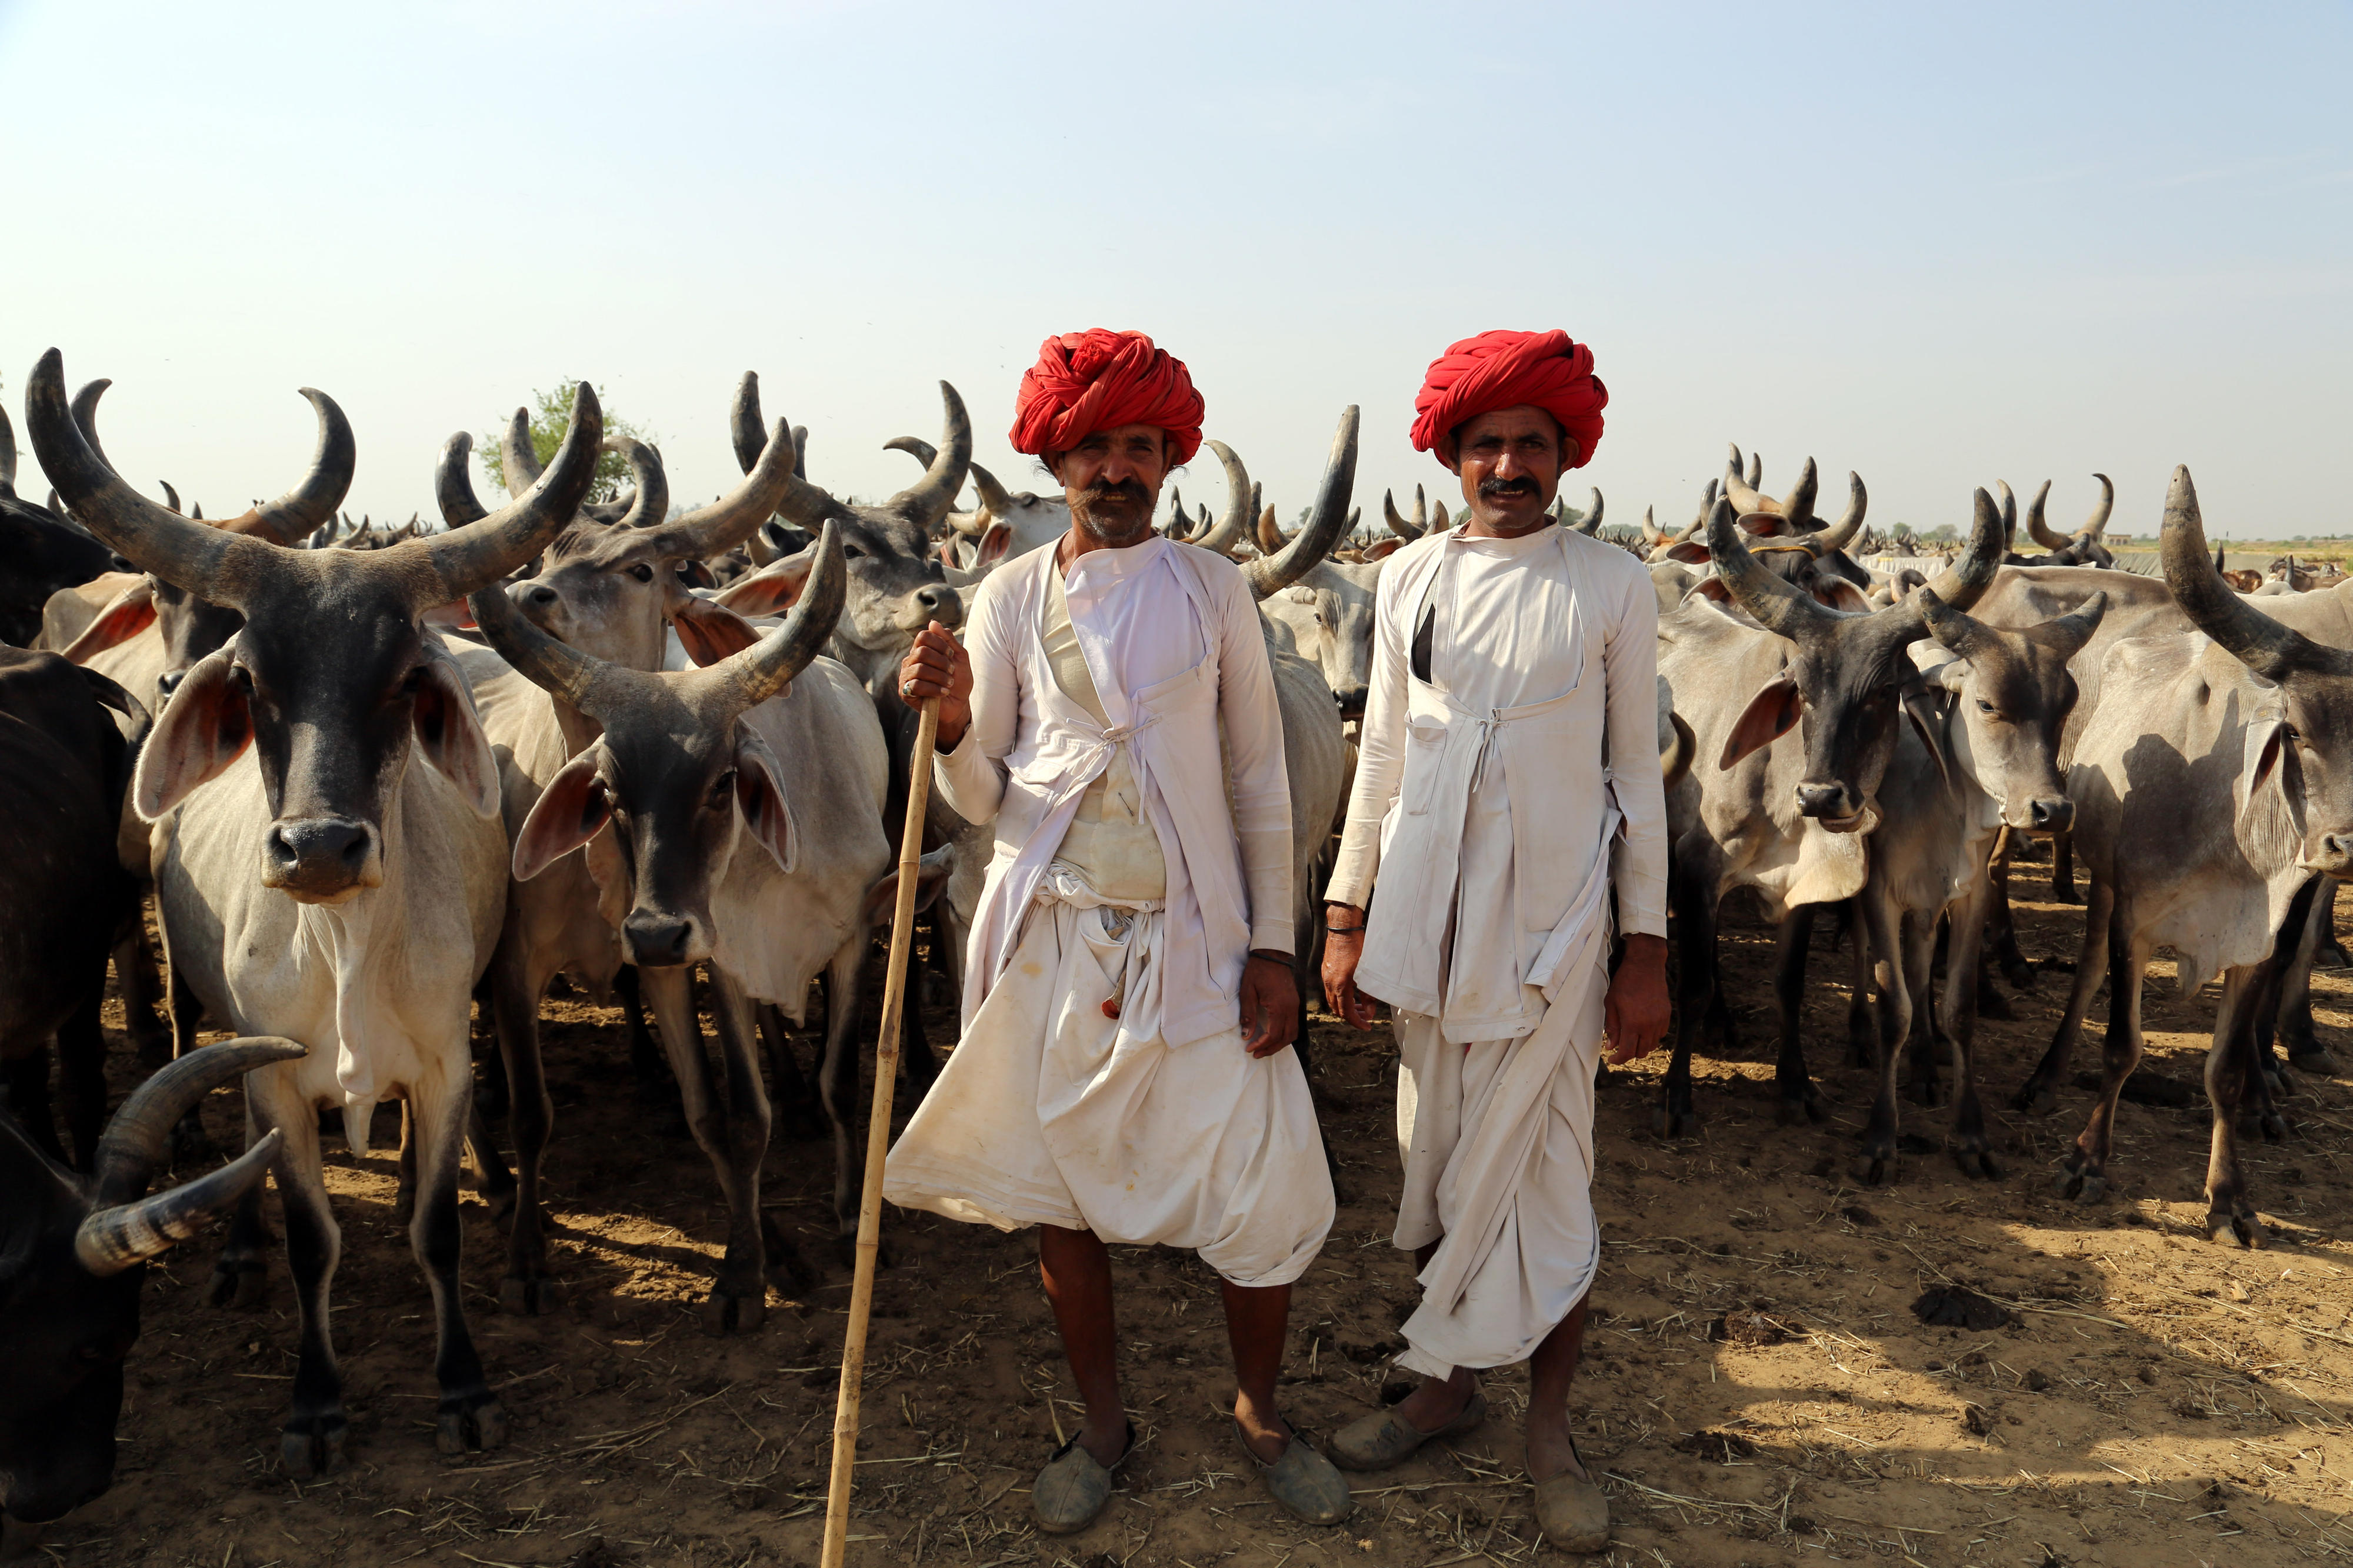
1939,245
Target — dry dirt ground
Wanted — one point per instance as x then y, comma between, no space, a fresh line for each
2152,1399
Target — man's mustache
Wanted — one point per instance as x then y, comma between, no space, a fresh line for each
1490,489
1131,490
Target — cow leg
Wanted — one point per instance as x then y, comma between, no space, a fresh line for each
734,1302
2000,939
2230,1075
1794,1086
2331,953
1882,927
189,1144
135,972
837,1078
27,1078
1971,1146
81,1066
1692,893
1861,1017
2084,1176
740,1300
2291,1022
2063,868
794,1096
310,1443
655,1083
468,1417
2039,1092
1920,1044
241,1276
918,1068
517,979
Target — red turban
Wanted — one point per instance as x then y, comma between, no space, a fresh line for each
1100,380
1505,369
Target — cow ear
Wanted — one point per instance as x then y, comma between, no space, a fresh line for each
1766,525
2271,747
570,811
709,632
761,798
1840,594
932,873
773,589
449,733
1384,550
205,728
1921,709
1770,714
992,544
1690,553
126,615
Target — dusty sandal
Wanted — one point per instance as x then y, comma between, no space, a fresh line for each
1571,1510
1383,1439
1071,1489
1303,1481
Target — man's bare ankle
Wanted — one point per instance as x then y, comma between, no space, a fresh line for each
1106,1441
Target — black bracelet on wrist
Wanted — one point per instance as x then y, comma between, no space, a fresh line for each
1343,930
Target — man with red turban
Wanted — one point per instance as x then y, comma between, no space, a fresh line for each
1123,1074
1514,704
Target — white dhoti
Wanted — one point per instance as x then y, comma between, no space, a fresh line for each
1052,1112
1497,1140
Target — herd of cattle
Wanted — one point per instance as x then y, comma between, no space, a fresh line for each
350,767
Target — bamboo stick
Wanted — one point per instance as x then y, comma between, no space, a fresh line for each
878,1144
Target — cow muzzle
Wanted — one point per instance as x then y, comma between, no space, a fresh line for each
2330,854
1830,805
660,940
2050,814
1351,700
321,860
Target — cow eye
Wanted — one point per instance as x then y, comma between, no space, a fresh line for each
722,789
852,552
1984,706
643,572
411,683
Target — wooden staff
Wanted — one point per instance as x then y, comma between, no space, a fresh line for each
878,1143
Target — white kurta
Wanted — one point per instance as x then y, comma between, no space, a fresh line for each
1484,791
1101,1081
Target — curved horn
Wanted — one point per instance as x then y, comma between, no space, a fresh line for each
459,562
930,499
556,667
172,497
1776,606
1742,492
85,415
1676,760
1409,532
1269,575
1241,504
1797,506
1268,533
2008,516
2257,641
996,500
916,447
311,502
133,1143
768,666
1850,523
7,457
453,483
2036,528
1955,630
518,458
2097,525
726,522
127,1234
210,563
650,505
1964,580
804,505
1590,523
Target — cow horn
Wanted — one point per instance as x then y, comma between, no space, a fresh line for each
1676,760
2262,644
2097,525
2074,629
133,1143
650,504
1742,492
172,497
805,505
1776,606
461,562
2036,528
554,667
930,499
210,563
293,515
1241,504
517,455
1409,532
768,666
1963,581
1590,523
2008,516
1270,575
453,483
85,415
1652,534
1837,536
726,522
1268,533
996,500
126,1235
916,447
1797,506
1955,630
7,457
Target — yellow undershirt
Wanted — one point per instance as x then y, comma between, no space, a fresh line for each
1109,843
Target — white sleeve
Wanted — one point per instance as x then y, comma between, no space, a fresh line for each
1629,663
1380,756
1251,715
972,777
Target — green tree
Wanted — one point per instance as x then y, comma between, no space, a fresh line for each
552,413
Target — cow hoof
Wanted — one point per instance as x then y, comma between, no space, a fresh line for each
1875,1168
2085,1186
1930,1092
2273,1126
1976,1164
788,1269
2317,1060
312,1445
469,1424
2236,1230
240,1283
1792,1112
1672,1124
2034,1099
529,1297
2065,895
724,1314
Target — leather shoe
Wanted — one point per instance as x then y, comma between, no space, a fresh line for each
1383,1439
1073,1487
1572,1512
1303,1481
